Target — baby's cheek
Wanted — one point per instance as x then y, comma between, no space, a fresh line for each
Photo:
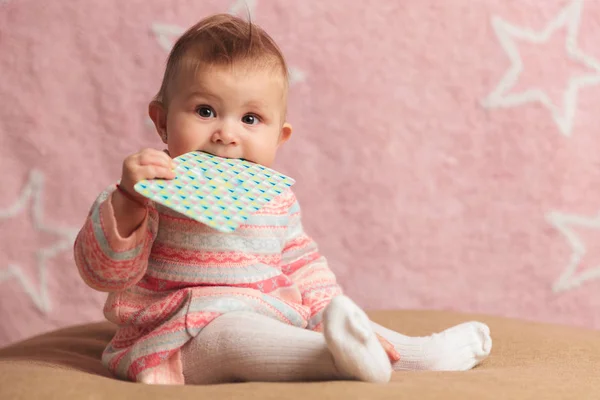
267,155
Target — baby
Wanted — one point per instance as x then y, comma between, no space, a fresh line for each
197,306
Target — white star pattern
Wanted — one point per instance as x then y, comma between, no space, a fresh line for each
565,224
564,114
32,195
296,76
240,5
166,34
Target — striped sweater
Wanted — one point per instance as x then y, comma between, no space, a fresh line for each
172,276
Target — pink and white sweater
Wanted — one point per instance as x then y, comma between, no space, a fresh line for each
172,276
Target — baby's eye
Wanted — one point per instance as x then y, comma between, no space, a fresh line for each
250,119
205,112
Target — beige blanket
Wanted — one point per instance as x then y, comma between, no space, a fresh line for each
528,361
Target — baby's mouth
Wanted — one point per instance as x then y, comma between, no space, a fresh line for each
222,156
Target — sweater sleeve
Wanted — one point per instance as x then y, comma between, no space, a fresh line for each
107,261
307,268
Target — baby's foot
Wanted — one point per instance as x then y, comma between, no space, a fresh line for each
355,348
456,349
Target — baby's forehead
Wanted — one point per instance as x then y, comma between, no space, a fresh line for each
264,89
193,65
259,81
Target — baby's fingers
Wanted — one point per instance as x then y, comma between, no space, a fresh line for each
389,348
158,172
155,157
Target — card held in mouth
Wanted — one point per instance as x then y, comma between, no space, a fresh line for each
219,192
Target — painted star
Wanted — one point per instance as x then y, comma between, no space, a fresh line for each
563,115
31,197
566,224
166,34
296,76
240,5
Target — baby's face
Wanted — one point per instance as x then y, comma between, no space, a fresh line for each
229,112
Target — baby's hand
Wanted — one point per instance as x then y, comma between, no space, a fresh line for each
389,349
146,164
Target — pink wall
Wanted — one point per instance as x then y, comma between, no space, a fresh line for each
446,153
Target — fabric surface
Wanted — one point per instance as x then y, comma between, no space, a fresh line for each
528,361
172,276
445,152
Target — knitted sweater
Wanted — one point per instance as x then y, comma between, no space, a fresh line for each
172,276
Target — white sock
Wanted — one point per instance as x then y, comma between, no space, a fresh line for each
353,343
244,346
456,349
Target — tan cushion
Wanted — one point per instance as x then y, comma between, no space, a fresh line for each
528,360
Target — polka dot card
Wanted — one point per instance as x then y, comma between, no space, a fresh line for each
219,192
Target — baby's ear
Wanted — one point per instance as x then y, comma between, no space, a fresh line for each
286,132
158,115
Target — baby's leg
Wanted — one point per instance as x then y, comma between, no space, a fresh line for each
243,346
456,349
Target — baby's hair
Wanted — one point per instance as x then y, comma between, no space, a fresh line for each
218,40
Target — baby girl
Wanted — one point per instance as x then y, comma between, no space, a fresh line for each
197,306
